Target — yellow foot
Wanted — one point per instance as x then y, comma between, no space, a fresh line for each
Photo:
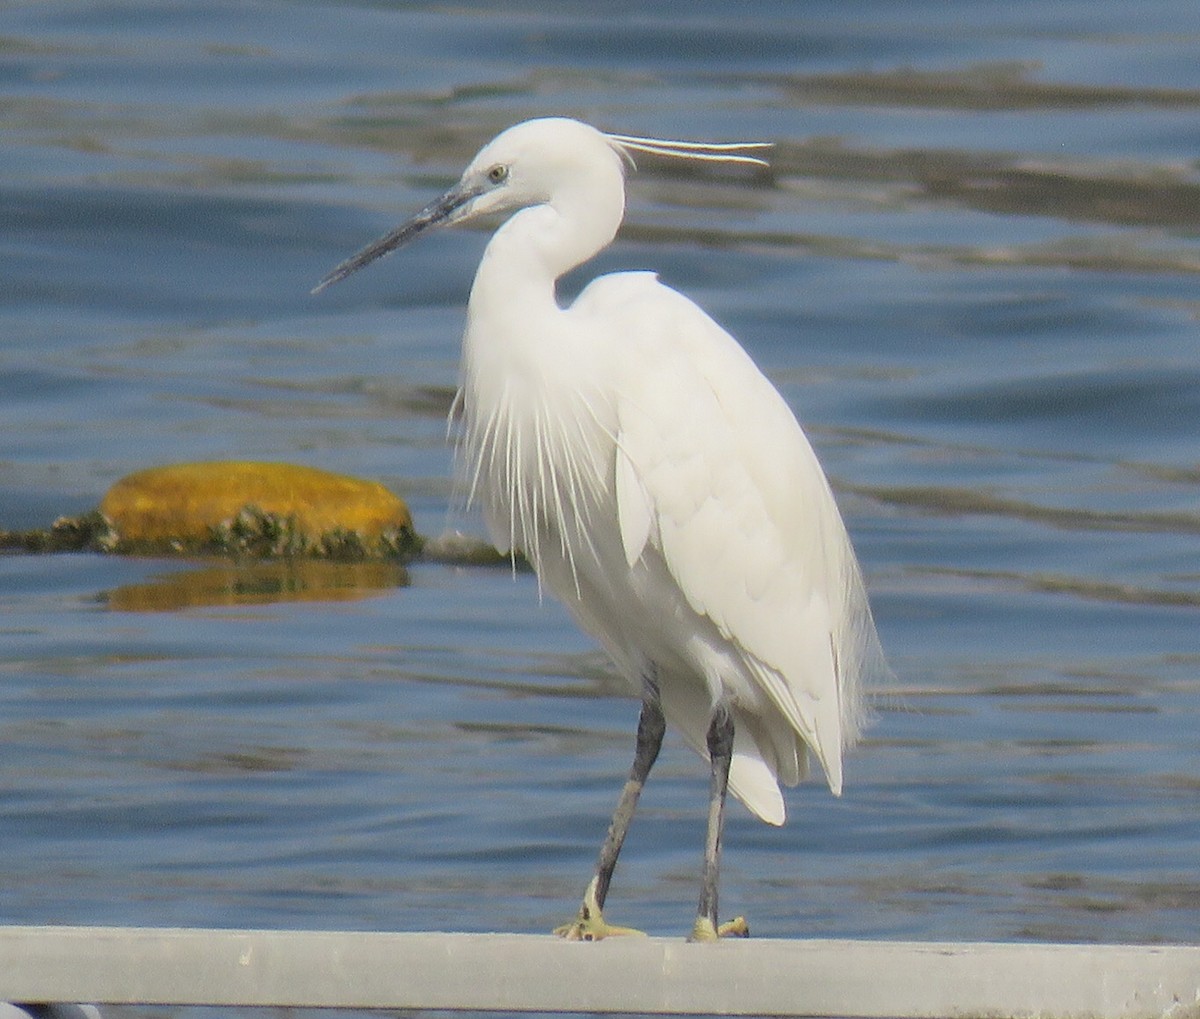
589,924
703,929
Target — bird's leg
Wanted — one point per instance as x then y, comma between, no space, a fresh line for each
720,752
589,924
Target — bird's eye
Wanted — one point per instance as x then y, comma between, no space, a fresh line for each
498,174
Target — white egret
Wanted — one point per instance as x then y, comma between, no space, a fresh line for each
658,484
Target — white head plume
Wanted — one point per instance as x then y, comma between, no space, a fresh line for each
709,152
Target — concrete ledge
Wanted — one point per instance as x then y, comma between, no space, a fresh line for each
526,973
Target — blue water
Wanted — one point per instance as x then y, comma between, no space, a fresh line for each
973,273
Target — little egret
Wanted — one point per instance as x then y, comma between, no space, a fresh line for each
658,484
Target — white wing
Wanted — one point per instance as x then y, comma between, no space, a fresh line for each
715,475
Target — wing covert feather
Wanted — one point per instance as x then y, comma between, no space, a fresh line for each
714,471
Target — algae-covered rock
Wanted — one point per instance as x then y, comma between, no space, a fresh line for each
262,509
253,511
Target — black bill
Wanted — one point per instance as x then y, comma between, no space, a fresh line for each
432,215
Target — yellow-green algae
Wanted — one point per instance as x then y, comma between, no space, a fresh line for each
199,501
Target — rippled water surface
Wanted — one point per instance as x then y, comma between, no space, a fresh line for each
972,270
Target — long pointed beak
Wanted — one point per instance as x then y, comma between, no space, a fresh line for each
434,214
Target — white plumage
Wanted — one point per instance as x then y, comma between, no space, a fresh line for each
657,482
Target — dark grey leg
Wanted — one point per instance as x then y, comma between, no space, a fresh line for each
589,925
720,752
651,728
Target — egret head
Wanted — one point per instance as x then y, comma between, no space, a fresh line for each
540,162
531,163
525,165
